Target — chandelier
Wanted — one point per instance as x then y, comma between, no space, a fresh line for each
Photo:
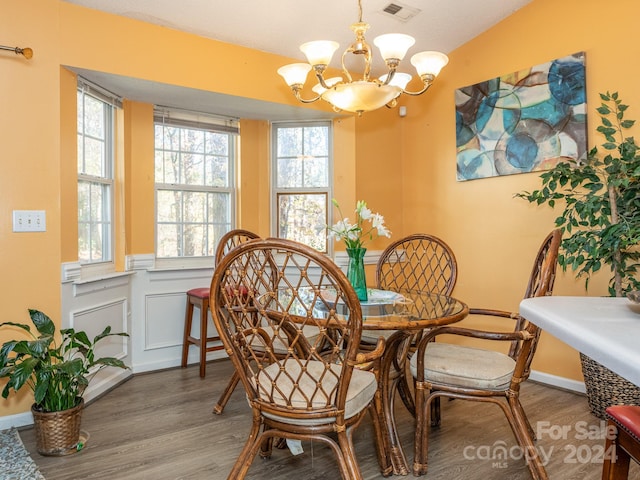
366,94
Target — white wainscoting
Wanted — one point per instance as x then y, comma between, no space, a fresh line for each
158,307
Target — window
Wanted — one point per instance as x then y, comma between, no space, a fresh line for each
194,175
95,176
302,187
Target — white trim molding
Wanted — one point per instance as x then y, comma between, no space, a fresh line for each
370,258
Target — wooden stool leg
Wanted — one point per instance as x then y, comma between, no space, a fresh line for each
204,319
187,332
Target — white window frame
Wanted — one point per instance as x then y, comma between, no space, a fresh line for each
198,121
277,191
106,181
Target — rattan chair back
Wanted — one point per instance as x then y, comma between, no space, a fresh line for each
266,295
417,263
232,239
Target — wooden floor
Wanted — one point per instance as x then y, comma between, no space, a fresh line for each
160,426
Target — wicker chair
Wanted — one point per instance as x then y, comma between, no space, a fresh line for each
263,295
415,263
447,370
229,241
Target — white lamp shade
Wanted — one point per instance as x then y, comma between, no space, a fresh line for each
429,62
399,79
319,89
319,52
295,73
394,45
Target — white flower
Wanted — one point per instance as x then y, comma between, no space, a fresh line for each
378,223
355,235
362,211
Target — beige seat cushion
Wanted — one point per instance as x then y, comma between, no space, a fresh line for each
465,366
361,389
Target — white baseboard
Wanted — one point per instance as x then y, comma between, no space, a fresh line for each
175,362
559,382
17,420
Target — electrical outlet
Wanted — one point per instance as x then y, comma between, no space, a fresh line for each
29,221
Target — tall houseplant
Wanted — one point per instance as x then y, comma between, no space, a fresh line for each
57,371
600,221
600,201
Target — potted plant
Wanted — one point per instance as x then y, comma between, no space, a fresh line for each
600,221
57,371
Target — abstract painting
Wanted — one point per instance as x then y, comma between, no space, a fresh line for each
524,121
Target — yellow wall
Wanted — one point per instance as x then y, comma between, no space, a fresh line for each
404,169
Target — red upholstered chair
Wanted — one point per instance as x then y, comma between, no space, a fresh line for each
199,297
623,444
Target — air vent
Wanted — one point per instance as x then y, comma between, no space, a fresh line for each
400,11
392,8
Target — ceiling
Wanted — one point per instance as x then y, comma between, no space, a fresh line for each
440,25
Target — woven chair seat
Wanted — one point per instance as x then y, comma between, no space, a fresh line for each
361,389
462,366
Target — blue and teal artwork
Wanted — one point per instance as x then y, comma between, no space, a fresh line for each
524,121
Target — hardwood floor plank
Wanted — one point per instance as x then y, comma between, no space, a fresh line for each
160,426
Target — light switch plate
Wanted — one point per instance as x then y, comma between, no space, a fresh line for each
29,221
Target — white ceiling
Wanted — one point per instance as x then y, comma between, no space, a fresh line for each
280,26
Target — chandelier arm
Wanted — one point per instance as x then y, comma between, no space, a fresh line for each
428,81
392,72
321,80
344,68
296,92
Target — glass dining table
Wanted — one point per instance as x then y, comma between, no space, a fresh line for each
397,317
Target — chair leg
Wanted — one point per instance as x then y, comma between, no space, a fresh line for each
616,458
187,333
521,429
348,456
420,442
226,395
204,319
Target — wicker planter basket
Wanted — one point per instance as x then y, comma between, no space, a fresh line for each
57,433
606,388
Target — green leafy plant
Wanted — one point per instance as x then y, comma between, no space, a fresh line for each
600,201
57,373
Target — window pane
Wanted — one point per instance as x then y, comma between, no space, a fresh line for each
316,141
168,205
289,142
216,143
93,157
167,240
192,140
220,209
316,172
302,217
289,173
193,168
94,117
217,171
